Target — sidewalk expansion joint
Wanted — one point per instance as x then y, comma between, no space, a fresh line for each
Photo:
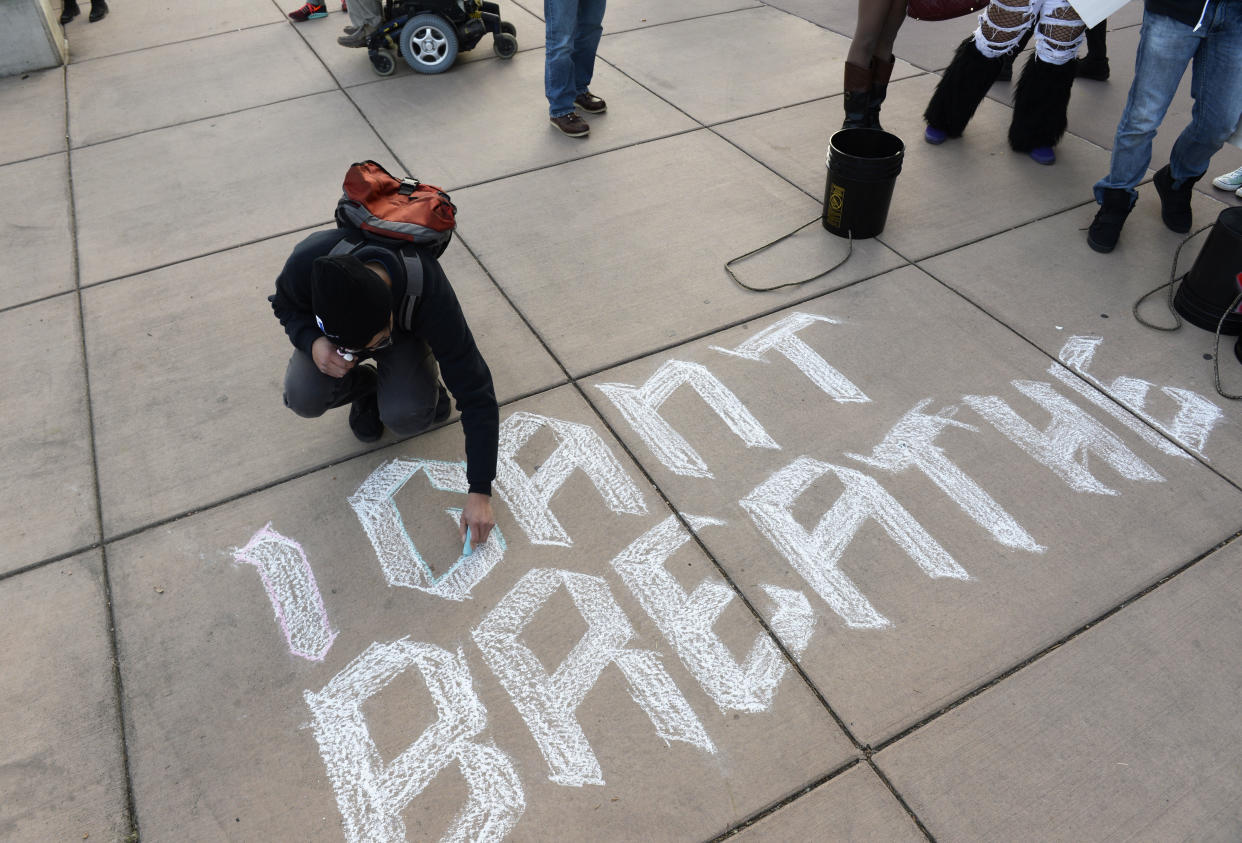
1002,676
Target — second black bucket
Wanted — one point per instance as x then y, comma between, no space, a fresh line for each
863,165
1213,282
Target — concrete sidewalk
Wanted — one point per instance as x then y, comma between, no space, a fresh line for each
941,545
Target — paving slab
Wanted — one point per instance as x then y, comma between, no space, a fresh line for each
139,24
989,563
45,451
136,91
794,61
62,773
623,15
505,127
224,739
1127,732
1079,310
945,195
35,237
926,44
214,183
34,105
162,415
645,269
352,67
854,806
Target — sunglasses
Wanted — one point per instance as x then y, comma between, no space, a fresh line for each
351,353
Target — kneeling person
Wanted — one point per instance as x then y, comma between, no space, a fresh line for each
342,302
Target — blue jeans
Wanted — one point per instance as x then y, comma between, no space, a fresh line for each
573,31
1165,47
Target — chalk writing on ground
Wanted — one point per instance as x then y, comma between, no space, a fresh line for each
1083,453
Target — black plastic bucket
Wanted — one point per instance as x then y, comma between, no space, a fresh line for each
1213,282
862,168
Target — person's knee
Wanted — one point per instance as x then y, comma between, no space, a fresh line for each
301,404
408,421
304,398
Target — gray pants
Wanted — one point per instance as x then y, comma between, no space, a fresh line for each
406,378
368,13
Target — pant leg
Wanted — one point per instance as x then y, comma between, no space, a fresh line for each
1165,48
368,13
1003,27
1058,33
310,393
408,384
560,23
586,42
1216,86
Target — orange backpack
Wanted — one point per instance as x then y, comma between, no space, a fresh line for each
396,211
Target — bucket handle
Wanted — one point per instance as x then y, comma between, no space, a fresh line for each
729,265
1173,279
1177,319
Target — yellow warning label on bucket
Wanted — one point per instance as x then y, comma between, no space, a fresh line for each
836,202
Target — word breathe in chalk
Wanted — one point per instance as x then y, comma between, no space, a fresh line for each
372,794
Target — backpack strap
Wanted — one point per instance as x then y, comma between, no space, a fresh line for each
411,262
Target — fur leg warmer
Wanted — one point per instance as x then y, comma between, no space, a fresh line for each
1040,104
964,85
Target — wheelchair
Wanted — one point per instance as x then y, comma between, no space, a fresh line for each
430,33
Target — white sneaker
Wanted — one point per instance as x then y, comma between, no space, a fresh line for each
1229,181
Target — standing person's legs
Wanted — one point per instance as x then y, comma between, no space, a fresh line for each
409,385
1041,100
587,32
1165,47
868,30
975,66
560,24
1216,86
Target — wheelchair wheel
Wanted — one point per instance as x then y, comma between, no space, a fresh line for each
507,27
429,43
384,62
505,45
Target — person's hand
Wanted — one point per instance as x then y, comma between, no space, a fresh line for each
328,361
477,515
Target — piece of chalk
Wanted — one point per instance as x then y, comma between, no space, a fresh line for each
466,549
349,358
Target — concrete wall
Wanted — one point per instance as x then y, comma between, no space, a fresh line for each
31,37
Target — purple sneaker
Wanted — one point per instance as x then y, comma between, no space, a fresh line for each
1043,155
934,136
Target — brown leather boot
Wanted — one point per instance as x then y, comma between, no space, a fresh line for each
881,72
857,95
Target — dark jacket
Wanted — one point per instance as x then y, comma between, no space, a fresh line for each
436,318
1188,12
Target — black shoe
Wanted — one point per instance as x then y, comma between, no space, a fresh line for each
364,418
99,8
1174,202
444,404
69,11
1106,227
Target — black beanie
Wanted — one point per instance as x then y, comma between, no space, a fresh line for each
352,304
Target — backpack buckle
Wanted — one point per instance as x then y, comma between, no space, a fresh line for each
408,186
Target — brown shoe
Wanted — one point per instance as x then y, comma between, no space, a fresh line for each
571,124
590,103
358,38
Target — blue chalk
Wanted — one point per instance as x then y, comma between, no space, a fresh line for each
466,549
